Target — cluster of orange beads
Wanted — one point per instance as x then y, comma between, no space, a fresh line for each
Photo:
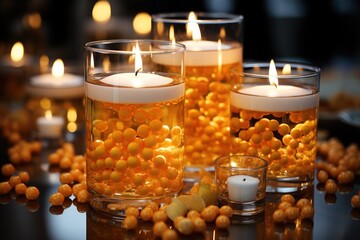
73,176
206,121
23,151
138,151
286,140
17,182
193,222
339,167
290,210
11,128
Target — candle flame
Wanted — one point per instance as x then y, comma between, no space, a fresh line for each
48,114
17,52
273,79
219,56
101,11
196,34
192,28
191,17
286,69
58,68
138,60
172,34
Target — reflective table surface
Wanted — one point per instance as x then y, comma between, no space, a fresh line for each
22,219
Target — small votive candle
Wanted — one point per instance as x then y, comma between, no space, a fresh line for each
242,188
241,183
50,126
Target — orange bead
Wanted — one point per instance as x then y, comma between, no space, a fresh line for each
32,193
56,199
5,188
8,169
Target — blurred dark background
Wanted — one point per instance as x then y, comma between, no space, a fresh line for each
323,32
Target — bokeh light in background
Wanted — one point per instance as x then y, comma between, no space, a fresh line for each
33,20
101,11
142,23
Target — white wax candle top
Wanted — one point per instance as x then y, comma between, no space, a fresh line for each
272,91
143,88
242,188
203,45
65,81
137,81
50,127
268,98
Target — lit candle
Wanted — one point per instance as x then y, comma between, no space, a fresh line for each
50,126
206,53
17,57
57,84
242,188
135,87
274,97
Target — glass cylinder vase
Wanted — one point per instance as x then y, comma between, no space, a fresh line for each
134,122
213,46
274,109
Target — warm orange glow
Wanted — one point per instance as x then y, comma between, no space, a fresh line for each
106,64
72,127
172,34
222,33
44,63
71,115
45,103
160,28
17,52
58,68
101,11
48,114
191,17
142,23
286,69
219,56
273,79
34,20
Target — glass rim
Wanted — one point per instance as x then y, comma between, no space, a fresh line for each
215,18
313,71
93,46
217,164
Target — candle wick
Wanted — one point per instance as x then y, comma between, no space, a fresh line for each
274,85
244,179
137,71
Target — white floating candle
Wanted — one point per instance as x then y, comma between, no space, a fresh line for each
205,53
128,88
50,126
242,188
269,98
56,84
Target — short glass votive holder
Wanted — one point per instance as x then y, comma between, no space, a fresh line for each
134,123
213,46
274,114
241,183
